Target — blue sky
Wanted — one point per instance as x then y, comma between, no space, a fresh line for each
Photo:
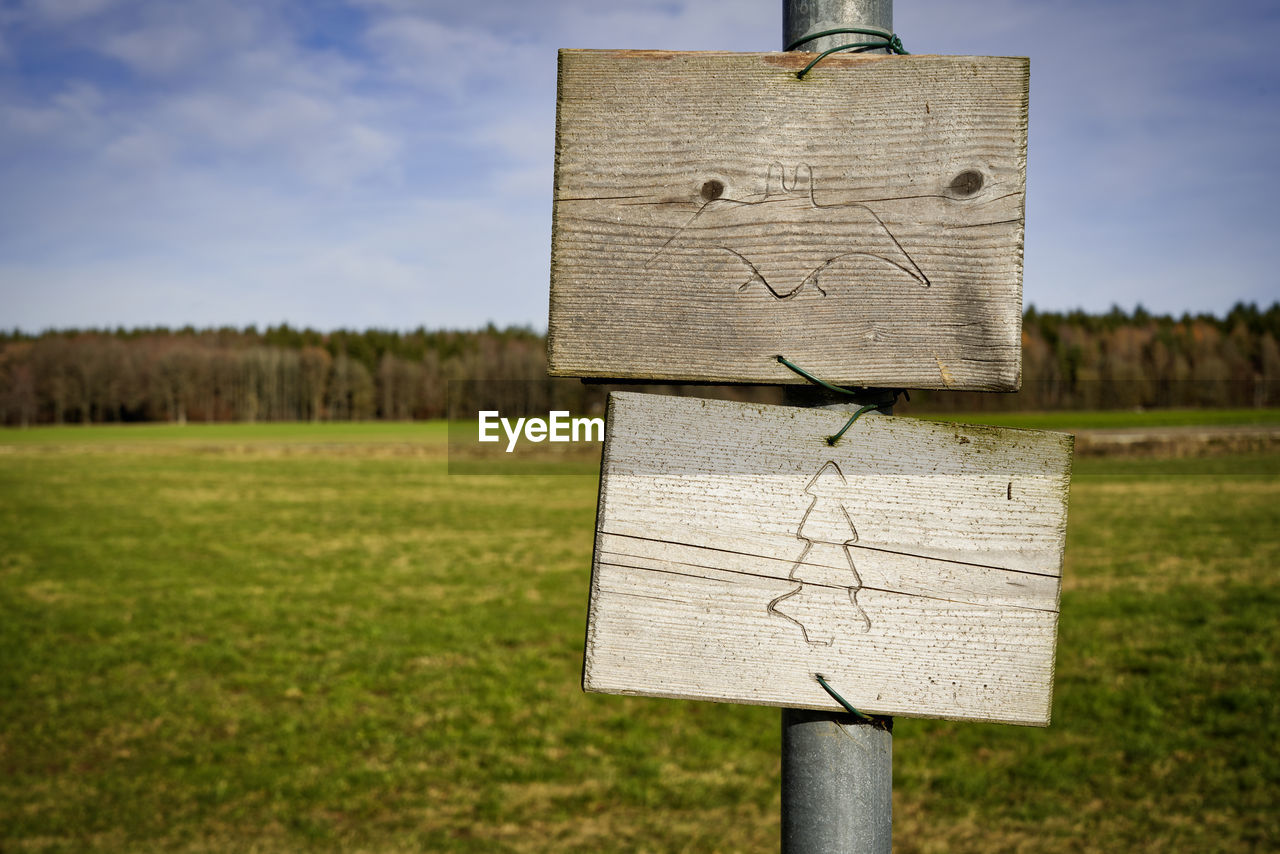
389,163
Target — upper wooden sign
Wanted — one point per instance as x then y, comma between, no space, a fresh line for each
914,565
712,212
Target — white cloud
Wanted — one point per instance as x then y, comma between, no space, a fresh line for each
257,162
138,150
67,11
71,118
431,263
156,50
454,61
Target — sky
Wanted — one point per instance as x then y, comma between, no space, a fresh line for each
388,163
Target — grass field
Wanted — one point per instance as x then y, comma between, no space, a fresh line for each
222,436
433,433
291,637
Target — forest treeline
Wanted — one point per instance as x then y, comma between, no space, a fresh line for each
1070,360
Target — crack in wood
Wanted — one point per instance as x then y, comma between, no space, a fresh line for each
703,577
851,545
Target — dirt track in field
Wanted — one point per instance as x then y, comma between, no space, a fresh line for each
1177,441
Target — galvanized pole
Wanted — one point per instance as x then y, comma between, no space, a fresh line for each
801,17
837,770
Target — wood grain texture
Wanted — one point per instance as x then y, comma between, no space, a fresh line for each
712,211
915,565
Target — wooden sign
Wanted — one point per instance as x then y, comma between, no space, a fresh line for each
712,211
914,565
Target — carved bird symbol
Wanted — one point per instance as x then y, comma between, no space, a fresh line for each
787,242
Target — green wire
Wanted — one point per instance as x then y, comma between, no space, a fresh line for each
831,440
890,41
859,31
811,378
841,700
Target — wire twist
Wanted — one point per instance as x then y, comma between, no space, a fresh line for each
880,406
887,41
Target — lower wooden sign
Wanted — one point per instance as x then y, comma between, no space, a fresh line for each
915,565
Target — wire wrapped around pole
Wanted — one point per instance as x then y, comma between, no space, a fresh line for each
887,41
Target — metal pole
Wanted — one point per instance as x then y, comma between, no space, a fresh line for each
837,770
837,784
801,17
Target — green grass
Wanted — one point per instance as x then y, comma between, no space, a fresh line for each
347,649
337,432
431,432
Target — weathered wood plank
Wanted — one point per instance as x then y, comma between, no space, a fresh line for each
915,565
712,211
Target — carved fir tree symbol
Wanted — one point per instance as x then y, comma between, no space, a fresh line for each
825,599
